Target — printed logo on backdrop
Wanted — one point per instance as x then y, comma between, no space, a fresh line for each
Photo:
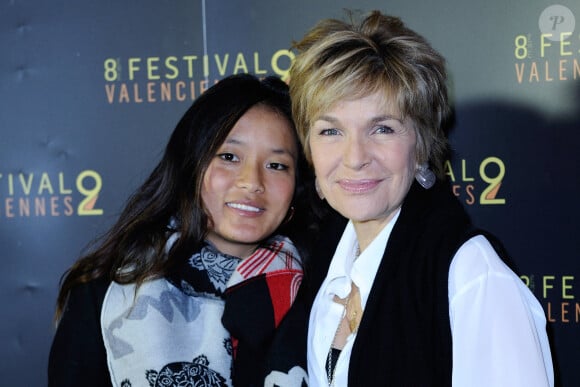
552,52
45,194
557,294
477,182
171,78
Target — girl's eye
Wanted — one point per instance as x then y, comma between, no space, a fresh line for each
228,157
278,166
329,132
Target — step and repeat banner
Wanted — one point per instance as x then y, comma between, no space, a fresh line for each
90,91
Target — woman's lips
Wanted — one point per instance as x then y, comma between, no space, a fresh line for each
358,186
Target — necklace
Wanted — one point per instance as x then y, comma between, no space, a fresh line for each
331,360
348,324
354,309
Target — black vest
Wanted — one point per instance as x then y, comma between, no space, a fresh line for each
404,337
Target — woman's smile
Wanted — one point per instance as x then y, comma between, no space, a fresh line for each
361,186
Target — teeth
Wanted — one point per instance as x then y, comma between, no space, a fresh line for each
244,207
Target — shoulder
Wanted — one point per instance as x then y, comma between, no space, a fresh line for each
474,260
493,311
478,270
88,295
83,308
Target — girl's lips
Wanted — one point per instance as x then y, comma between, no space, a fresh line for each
244,207
358,186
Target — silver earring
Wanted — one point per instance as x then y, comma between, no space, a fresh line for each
425,176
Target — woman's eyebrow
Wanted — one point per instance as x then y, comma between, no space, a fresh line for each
373,120
385,117
327,118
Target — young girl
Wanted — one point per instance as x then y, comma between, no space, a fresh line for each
203,233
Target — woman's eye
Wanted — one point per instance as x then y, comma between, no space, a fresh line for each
384,129
329,132
278,166
228,157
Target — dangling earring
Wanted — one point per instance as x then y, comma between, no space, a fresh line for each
425,176
318,190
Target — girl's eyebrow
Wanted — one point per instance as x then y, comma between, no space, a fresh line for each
280,151
233,140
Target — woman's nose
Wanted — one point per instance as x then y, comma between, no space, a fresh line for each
356,154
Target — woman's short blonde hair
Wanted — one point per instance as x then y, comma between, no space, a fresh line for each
338,60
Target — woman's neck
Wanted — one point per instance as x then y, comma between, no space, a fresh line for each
367,231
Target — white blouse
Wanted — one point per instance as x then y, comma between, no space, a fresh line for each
497,324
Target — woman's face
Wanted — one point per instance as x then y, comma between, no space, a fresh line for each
249,184
364,160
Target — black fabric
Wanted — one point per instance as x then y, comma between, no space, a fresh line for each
249,317
262,350
77,355
288,349
331,361
251,310
404,338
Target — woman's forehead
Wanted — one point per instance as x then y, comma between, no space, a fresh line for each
386,103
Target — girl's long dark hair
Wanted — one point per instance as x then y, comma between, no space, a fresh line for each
133,249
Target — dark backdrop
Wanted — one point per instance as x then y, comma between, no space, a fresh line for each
90,91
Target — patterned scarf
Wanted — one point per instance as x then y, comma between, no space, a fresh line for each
170,332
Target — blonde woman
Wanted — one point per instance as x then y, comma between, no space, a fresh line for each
404,291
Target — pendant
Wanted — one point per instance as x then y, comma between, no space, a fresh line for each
354,309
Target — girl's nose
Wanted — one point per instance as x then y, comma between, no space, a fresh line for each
250,178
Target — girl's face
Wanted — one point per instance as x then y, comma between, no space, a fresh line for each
249,184
364,159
